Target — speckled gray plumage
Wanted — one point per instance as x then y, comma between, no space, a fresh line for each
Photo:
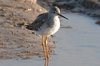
39,21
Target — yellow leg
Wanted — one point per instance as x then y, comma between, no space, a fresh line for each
45,49
43,46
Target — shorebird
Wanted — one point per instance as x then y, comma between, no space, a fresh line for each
46,24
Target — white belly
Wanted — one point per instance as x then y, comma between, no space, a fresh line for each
45,30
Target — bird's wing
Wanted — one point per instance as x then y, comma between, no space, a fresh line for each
39,21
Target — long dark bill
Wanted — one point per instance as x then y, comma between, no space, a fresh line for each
63,16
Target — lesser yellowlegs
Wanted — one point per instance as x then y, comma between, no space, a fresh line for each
46,24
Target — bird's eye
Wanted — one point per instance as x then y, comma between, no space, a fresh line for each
54,11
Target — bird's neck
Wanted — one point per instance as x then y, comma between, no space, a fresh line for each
51,16
51,19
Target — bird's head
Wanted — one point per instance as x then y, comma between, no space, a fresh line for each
56,10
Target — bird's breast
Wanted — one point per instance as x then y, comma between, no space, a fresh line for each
52,28
56,25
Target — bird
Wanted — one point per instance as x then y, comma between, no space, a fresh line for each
46,24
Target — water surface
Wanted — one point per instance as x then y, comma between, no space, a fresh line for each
76,46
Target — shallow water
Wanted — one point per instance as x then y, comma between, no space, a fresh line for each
76,46
79,45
